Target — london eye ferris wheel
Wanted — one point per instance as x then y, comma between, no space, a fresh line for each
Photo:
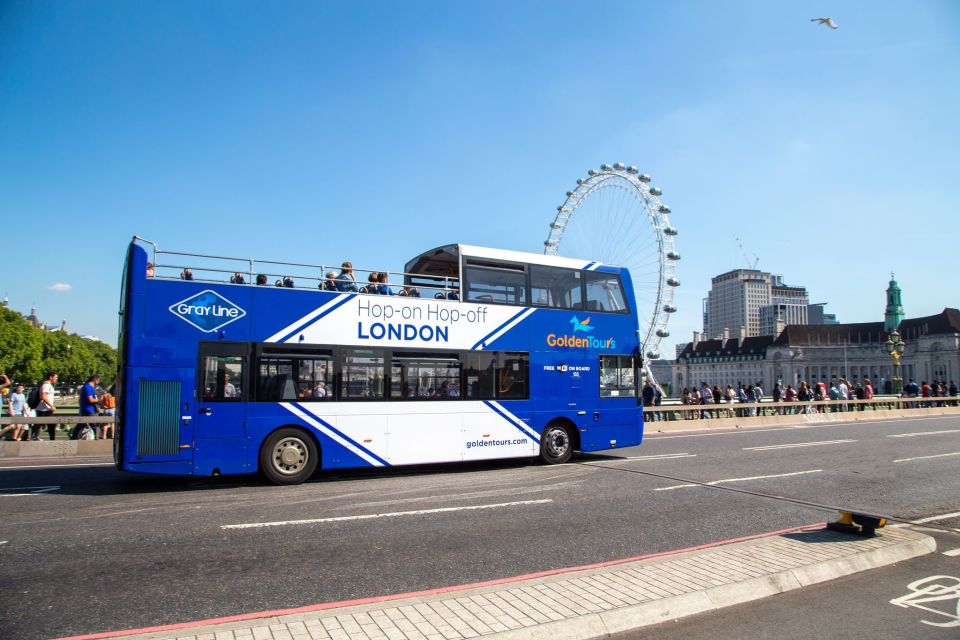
615,216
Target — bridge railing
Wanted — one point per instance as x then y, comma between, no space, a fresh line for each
670,412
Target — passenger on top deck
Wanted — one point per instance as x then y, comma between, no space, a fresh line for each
384,287
373,284
346,280
330,283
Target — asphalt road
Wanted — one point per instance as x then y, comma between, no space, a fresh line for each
85,549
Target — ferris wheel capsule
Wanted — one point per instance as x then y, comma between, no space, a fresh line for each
632,170
670,231
663,333
605,167
673,282
653,354
555,225
663,208
644,178
673,255
618,166
592,172
654,191
669,308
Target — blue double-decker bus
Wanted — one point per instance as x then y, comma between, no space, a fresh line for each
232,366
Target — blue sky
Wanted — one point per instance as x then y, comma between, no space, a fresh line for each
370,131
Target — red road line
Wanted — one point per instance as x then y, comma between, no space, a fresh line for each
414,594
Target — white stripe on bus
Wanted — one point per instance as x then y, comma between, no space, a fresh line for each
319,426
305,319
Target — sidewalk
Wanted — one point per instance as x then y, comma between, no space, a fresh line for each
577,603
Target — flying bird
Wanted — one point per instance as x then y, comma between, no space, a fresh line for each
827,21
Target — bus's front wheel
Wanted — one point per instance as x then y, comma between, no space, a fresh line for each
289,456
556,445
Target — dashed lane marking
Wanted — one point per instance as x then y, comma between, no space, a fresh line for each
953,553
30,491
662,456
923,433
728,480
939,455
797,444
255,525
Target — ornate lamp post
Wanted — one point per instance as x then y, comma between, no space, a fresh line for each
895,346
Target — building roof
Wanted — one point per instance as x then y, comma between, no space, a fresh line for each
756,345
947,321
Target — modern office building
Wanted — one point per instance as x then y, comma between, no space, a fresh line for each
758,301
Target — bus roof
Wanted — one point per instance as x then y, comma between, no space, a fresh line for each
432,262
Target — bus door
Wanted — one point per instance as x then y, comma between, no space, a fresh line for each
616,419
221,416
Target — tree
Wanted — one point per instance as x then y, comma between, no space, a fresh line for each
27,353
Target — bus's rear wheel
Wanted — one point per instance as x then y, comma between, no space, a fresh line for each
289,456
556,445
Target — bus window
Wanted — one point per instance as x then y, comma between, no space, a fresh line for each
617,379
425,377
555,287
512,376
223,378
504,286
362,374
479,375
605,292
285,378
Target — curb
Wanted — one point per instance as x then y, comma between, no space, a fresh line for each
757,568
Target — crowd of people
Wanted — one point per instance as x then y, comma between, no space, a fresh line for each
41,402
343,282
806,397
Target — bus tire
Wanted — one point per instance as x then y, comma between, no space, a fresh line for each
289,456
556,445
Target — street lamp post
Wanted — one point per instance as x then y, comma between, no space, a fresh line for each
894,346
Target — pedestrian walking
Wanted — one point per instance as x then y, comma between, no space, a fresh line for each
47,404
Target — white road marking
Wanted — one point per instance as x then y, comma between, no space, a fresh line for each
779,475
953,553
923,433
939,589
57,466
3,542
735,431
943,516
797,444
663,456
254,525
939,455
30,491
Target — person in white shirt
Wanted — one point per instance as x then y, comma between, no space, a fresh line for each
46,407
229,391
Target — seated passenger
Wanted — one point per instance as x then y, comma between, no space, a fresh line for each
288,282
373,284
321,390
186,274
346,280
261,279
384,287
237,278
149,269
330,283
410,292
